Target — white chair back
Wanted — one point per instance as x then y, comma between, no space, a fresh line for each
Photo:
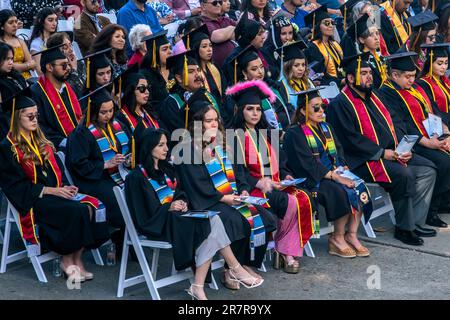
111,16
62,157
24,34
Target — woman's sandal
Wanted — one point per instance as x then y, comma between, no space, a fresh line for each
344,253
228,282
279,261
255,282
72,271
191,293
361,251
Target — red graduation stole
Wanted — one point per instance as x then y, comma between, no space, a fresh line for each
376,168
147,120
254,164
28,227
65,121
440,88
383,47
416,100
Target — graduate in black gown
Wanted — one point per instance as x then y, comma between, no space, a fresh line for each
95,150
32,178
157,205
248,243
370,134
413,106
314,153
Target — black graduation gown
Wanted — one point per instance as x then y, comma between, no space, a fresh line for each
195,181
169,112
214,90
441,160
302,163
47,118
348,46
156,222
445,116
389,34
64,225
313,54
283,109
158,86
360,149
376,73
268,52
10,84
85,163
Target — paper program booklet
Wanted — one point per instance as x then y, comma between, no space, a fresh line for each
406,144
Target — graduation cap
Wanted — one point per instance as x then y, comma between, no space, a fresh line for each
240,61
49,55
346,8
423,21
19,100
180,62
360,26
194,37
353,65
250,92
98,97
125,78
196,102
95,61
402,61
315,17
153,42
434,51
440,10
303,98
277,22
246,30
293,50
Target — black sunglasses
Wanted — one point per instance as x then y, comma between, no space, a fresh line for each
328,23
31,117
142,88
216,2
63,66
317,107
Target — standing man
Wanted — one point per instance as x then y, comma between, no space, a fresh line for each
296,10
137,12
88,25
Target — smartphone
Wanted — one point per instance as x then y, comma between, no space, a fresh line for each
444,136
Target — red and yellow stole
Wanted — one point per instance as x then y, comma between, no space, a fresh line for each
376,168
147,120
383,47
440,88
64,114
255,165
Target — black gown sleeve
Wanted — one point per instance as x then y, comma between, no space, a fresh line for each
14,183
170,114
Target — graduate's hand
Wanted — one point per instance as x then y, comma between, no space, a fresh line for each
230,199
67,192
115,161
390,155
289,177
405,157
434,143
345,181
178,205
245,193
265,185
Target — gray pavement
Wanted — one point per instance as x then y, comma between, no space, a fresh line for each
405,272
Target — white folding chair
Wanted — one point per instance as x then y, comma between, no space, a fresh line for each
149,274
330,91
172,29
324,230
381,204
25,34
111,16
62,157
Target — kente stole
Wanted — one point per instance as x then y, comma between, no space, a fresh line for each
64,114
222,176
107,144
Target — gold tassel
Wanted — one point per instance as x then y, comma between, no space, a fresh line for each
345,17
188,43
186,116
88,73
120,92
88,112
358,72
235,71
430,73
185,72
313,25
154,54
133,153
306,108
12,114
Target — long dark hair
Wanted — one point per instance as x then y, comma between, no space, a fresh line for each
103,40
4,49
247,5
416,39
200,116
145,153
4,17
239,120
443,23
38,26
129,96
95,109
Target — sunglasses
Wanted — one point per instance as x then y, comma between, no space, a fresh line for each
31,117
142,88
328,23
431,38
215,3
317,107
63,66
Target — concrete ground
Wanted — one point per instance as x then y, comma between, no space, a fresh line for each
393,271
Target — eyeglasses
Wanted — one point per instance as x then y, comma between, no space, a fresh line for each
431,38
64,66
142,88
328,23
31,117
317,107
215,3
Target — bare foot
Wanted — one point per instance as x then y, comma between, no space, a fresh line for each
252,272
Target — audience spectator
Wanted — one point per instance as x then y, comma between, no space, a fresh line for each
259,9
26,9
22,58
88,24
220,28
139,47
296,10
137,12
185,8
163,11
45,25
113,36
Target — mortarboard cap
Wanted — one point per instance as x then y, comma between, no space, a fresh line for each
19,100
97,97
443,7
246,30
293,50
360,26
240,60
303,98
423,21
153,42
49,55
402,61
196,102
95,61
194,37
434,51
346,10
353,65
250,92
315,17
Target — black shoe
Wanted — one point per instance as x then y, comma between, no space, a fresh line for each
425,232
435,221
407,237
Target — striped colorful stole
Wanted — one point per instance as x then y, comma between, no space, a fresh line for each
440,88
64,114
107,147
376,168
27,226
146,119
329,147
164,192
223,178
